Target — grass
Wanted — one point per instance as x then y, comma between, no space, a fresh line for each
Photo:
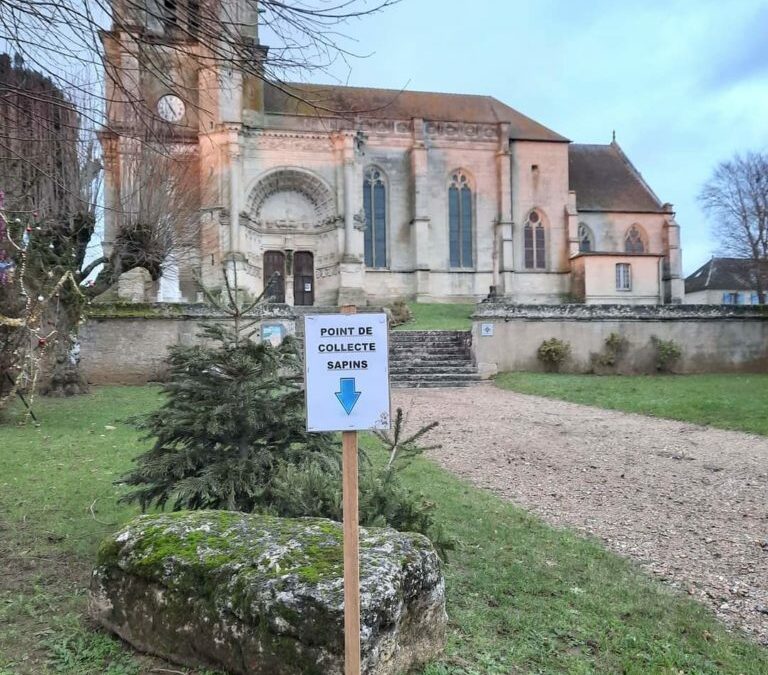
736,402
522,597
438,316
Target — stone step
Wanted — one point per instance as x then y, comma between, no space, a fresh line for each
431,359
428,349
402,334
449,342
428,370
430,384
439,377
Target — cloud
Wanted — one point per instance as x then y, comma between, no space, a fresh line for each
746,56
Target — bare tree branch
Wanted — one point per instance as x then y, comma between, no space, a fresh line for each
736,200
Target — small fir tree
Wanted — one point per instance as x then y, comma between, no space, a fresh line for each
232,435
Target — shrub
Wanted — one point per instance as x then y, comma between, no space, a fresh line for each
553,352
668,352
399,313
615,345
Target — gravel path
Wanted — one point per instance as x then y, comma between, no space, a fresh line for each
689,503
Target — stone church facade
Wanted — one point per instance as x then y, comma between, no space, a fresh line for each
336,195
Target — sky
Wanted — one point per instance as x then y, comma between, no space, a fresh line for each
684,83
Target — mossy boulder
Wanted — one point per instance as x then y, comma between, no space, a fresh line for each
257,594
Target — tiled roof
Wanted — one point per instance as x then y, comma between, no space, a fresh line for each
605,180
324,100
725,274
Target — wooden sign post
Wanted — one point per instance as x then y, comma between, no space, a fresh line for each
349,472
346,360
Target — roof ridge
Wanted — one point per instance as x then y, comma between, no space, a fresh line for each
615,145
384,89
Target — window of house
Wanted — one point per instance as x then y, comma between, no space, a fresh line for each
633,241
623,277
460,220
375,207
586,240
534,242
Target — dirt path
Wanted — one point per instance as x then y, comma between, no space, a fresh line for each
689,503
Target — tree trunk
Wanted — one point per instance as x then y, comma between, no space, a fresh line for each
61,375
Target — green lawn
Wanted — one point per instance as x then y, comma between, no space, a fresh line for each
727,401
522,597
439,316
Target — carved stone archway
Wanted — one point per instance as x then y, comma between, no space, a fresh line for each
291,200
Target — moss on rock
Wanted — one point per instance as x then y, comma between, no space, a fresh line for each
260,594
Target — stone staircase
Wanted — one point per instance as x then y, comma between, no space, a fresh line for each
431,358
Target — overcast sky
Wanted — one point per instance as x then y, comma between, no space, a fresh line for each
683,82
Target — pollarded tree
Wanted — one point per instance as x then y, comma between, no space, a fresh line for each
736,200
50,171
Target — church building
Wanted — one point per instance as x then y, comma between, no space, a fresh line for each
335,195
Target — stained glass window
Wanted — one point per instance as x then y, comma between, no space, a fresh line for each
375,207
634,242
534,242
586,243
460,220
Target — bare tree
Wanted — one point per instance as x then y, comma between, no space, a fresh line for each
157,218
63,39
50,177
736,200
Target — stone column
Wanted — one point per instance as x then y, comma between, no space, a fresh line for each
572,215
420,220
235,255
502,240
674,287
507,227
351,282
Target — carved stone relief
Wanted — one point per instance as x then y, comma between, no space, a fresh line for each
289,200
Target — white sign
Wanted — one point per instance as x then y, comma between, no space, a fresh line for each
486,329
346,359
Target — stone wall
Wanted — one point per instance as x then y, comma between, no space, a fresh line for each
713,338
129,344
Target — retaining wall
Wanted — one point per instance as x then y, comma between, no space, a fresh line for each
128,343
713,338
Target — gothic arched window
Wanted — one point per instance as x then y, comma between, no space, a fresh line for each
534,241
375,206
634,241
586,239
460,220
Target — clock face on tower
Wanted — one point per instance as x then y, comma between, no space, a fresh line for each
171,108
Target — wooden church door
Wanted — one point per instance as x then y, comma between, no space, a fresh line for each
274,264
303,278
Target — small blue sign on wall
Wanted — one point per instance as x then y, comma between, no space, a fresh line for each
272,333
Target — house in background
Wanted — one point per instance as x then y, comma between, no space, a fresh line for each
725,281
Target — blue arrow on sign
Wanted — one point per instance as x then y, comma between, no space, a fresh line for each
347,395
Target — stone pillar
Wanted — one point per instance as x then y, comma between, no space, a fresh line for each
672,278
502,239
420,220
235,258
351,271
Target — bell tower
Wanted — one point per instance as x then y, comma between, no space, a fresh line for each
179,76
